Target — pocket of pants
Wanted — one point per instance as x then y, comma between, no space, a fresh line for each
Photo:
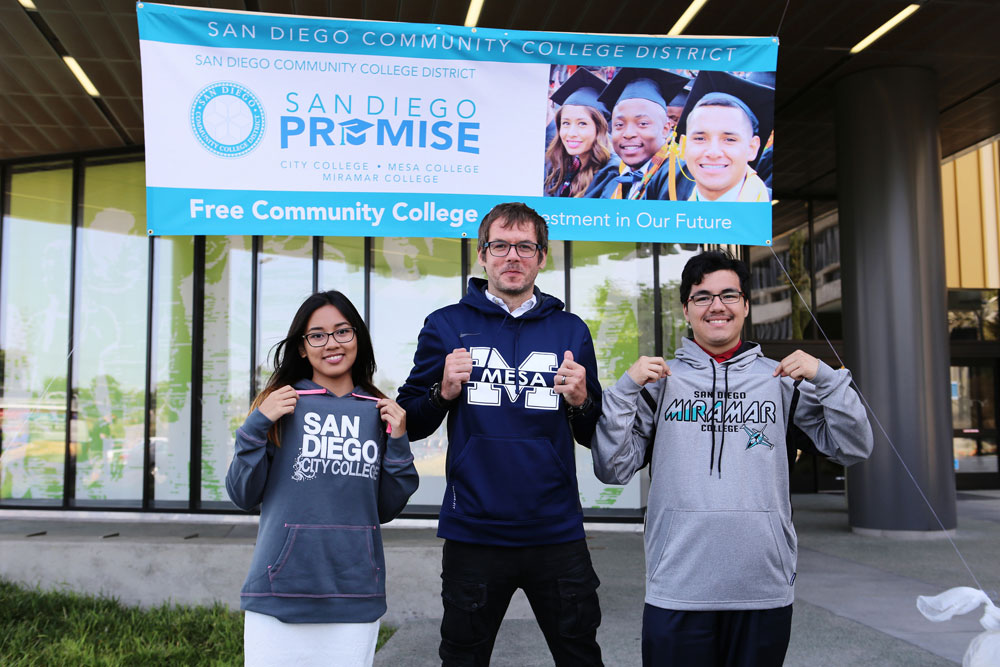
581,610
327,561
463,622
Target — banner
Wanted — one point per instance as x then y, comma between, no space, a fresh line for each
271,124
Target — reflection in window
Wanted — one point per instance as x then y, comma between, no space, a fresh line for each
34,312
551,279
411,277
778,312
284,268
226,353
342,267
109,360
974,418
672,258
610,283
170,430
972,314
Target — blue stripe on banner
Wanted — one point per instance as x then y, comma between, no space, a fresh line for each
186,211
223,29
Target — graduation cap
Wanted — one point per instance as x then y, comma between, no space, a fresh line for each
581,89
757,101
680,99
763,78
655,85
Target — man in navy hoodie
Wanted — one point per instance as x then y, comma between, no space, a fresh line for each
516,377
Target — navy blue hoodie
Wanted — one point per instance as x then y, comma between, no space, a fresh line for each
323,494
511,469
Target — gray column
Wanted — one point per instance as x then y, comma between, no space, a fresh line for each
894,294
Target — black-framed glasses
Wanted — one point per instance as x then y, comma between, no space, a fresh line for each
705,299
525,249
319,338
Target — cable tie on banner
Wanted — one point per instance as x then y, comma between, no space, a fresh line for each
881,428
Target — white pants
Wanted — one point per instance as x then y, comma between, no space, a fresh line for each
267,642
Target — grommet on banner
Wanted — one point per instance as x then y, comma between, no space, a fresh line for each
149,232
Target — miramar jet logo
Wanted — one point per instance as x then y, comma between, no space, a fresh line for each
227,119
757,438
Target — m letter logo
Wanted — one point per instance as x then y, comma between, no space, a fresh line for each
527,379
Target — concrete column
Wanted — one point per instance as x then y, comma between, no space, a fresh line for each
894,295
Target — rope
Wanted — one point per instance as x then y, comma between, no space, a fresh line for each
881,428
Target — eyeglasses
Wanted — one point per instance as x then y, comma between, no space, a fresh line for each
502,248
319,338
705,299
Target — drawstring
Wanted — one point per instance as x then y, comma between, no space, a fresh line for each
515,362
711,463
724,396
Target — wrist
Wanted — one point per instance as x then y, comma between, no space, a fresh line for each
439,401
576,410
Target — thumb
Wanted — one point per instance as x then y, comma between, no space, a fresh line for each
567,356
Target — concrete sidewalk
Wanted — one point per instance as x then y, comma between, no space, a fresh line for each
855,595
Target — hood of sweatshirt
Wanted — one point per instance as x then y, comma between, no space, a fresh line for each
475,297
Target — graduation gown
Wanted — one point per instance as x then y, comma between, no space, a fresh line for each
604,183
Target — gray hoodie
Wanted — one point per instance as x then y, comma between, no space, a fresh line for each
719,531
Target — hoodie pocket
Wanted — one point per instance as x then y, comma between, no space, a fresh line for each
326,561
511,479
722,557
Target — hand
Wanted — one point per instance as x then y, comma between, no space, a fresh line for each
648,369
279,403
798,365
457,371
571,380
393,415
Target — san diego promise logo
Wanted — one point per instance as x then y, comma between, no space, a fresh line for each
227,119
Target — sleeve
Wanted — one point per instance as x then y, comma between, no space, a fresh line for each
247,473
398,478
624,430
831,414
583,423
422,416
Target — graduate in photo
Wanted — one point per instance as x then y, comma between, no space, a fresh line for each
640,134
580,146
723,127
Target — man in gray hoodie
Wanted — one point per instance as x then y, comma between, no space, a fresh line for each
720,545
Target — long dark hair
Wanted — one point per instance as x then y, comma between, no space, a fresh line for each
289,364
558,163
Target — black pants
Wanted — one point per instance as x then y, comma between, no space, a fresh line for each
558,580
749,638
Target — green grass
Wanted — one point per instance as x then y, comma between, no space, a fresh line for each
57,628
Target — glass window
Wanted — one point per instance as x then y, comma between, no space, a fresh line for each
974,418
778,312
284,274
109,359
226,358
826,246
972,314
551,279
607,282
672,258
170,430
412,277
34,333
342,267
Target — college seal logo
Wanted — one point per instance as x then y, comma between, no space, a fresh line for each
227,119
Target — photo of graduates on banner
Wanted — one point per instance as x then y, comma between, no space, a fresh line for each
655,134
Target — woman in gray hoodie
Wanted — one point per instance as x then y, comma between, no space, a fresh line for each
325,455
